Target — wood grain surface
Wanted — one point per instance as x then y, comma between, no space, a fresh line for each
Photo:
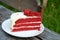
22,4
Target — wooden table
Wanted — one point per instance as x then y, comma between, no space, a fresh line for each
46,35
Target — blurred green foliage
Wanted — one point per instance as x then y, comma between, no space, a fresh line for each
51,17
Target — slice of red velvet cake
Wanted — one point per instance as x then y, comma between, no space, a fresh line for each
27,20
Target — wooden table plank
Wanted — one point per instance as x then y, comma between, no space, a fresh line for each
4,14
22,4
49,35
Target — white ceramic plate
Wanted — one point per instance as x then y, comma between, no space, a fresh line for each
6,26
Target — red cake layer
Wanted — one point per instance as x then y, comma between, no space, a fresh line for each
28,20
31,24
26,29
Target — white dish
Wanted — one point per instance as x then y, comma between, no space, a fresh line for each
6,26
